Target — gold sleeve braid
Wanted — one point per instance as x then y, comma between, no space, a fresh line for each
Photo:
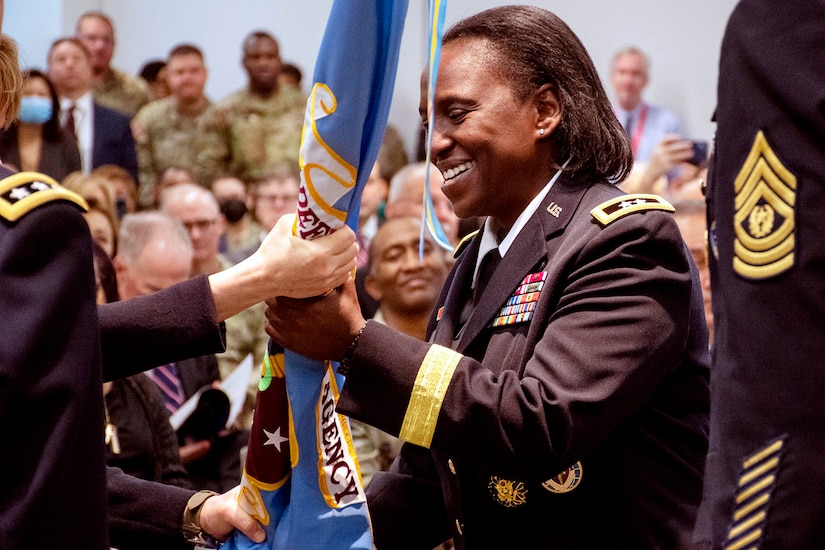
428,392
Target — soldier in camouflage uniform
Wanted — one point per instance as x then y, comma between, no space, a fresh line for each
165,130
114,88
252,132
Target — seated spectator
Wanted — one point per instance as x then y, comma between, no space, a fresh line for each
36,142
691,217
123,187
103,227
198,211
242,235
154,74
95,190
155,253
406,197
139,439
276,195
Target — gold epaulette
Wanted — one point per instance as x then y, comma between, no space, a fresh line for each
20,193
462,244
610,211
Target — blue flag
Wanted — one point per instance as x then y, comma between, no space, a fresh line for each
301,479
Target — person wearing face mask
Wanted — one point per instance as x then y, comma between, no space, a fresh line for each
36,142
242,234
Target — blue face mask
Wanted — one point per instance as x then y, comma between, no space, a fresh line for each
35,109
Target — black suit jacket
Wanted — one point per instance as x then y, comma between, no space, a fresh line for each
582,427
58,159
112,141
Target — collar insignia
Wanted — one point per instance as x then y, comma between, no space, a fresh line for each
520,306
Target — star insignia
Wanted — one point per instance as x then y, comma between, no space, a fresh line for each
40,186
19,193
275,439
626,204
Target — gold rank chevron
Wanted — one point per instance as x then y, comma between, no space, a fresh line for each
764,226
756,483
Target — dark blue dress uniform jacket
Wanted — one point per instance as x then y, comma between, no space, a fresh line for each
584,426
51,402
766,199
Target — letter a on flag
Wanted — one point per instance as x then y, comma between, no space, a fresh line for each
301,479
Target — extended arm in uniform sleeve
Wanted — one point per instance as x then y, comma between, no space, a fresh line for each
169,325
144,514
615,323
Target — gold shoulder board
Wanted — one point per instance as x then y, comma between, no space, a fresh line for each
610,211
20,193
462,244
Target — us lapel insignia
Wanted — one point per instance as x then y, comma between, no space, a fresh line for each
565,481
764,242
506,492
520,306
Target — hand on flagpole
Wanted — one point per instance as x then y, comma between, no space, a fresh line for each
222,514
317,328
285,265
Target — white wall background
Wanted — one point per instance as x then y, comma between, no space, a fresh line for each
681,38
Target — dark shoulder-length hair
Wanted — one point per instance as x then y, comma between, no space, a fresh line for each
534,48
51,128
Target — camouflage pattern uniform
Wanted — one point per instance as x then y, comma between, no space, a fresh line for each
245,334
250,137
164,138
122,92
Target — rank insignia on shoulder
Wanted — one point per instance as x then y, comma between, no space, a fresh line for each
764,202
462,244
610,211
20,193
565,481
520,306
506,492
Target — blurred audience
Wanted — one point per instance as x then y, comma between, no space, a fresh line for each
242,235
276,195
113,88
36,142
166,131
254,131
154,254
123,187
103,135
154,74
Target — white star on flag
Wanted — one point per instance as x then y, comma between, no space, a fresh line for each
275,439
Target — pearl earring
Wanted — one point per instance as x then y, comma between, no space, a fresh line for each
541,131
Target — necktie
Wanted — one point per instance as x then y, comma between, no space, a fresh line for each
485,272
166,377
68,125
628,124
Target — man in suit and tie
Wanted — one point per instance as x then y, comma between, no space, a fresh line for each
103,135
155,253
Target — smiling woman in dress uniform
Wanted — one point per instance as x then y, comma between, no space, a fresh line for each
562,401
